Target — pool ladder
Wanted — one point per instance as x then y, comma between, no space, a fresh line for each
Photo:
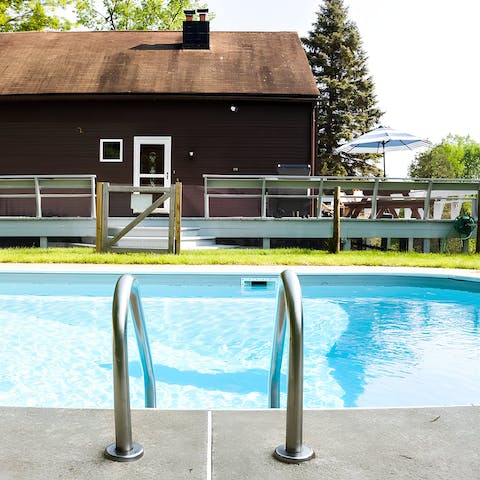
126,293
289,304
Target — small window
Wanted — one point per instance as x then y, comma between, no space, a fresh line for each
111,150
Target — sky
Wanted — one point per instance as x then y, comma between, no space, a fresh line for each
422,55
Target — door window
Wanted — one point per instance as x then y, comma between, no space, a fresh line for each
152,163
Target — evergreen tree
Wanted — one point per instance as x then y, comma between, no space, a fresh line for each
347,103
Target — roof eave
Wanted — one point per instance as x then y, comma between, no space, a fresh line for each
129,96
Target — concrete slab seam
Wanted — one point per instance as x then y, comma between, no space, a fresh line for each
209,445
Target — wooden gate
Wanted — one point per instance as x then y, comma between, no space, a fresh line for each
174,193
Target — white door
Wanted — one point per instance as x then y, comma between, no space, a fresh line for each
152,160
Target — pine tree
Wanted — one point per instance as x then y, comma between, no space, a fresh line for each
347,103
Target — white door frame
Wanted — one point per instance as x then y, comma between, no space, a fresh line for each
166,174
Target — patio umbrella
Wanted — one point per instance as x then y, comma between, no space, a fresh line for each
381,140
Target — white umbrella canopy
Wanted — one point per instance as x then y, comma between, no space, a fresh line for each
381,140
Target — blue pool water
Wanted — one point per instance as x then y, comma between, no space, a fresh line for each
369,340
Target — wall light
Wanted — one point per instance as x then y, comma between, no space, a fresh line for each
191,155
234,108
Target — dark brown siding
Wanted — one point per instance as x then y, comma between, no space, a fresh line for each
62,137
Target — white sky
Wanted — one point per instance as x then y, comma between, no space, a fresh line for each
422,55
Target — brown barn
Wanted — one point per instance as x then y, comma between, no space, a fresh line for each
152,107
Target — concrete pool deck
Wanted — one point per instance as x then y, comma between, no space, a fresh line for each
373,444
435,443
248,269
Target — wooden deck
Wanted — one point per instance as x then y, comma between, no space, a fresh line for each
300,207
248,228
313,228
417,209
47,206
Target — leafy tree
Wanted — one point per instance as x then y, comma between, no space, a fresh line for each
347,103
22,15
471,157
454,157
132,14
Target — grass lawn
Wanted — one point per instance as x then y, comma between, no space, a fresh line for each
290,256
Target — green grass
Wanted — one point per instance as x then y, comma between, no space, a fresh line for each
290,256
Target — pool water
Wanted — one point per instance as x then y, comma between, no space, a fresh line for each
369,341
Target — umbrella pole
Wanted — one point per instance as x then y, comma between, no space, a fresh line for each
384,169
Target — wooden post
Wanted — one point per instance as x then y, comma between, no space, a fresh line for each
373,213
175,219
426,245
410,244
336,222
178,217
263,204
171,221
102,216
443,245
206,204
320,199
426,205
38,198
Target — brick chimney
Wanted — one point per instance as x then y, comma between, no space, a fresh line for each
196,33
189,15
202,13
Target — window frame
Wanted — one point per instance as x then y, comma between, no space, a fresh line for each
111,140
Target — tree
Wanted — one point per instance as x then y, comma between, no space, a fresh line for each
21,15
454,157
347,103
471,157
132,14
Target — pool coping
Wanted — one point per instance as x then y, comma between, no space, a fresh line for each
369,444
268,269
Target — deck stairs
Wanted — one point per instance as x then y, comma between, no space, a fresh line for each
156,238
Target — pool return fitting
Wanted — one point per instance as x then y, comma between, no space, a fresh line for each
289,304
126,293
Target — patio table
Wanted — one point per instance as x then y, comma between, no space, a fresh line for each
390,205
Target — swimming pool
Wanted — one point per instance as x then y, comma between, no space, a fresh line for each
370,340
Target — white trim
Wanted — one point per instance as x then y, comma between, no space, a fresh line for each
167,162
150,140
116,160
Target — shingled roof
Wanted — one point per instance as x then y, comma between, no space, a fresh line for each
145,62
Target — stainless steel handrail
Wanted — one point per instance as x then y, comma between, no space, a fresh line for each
126,293
289,303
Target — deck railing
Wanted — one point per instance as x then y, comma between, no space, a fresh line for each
362,197
43,187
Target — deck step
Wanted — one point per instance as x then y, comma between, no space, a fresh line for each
161,243
152,232
152,238
156,238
